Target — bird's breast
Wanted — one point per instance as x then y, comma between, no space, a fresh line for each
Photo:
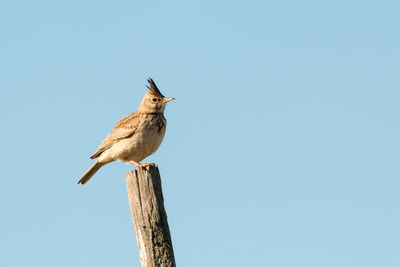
146,140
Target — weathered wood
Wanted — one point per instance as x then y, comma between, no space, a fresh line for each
149,217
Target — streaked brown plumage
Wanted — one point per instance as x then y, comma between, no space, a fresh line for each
134,137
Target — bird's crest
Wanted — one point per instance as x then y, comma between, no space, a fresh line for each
153,88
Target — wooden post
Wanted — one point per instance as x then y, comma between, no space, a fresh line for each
149,217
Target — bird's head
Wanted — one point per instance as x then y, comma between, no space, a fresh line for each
153,101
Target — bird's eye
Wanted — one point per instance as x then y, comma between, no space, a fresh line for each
154,99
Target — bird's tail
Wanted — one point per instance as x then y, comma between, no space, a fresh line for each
90,172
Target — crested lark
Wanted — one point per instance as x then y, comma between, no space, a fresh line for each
134,137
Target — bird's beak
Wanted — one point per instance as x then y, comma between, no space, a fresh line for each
167,99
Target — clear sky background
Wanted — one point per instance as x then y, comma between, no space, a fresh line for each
282,147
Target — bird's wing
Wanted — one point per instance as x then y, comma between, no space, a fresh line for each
125,128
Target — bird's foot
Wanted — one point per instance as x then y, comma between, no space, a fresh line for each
139,165
145,165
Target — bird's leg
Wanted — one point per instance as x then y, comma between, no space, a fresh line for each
138,164
146,164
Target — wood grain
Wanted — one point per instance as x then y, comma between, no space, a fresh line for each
149,217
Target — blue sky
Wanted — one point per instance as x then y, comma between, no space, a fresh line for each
282,145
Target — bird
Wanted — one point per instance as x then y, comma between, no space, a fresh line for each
136,136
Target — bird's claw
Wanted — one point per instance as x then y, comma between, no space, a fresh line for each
145,165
